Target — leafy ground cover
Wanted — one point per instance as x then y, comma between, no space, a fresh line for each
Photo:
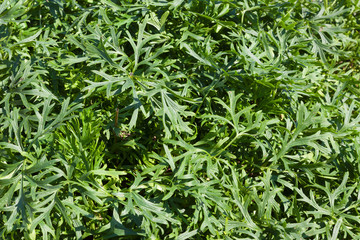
178,119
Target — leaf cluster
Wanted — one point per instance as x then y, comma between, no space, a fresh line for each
148,119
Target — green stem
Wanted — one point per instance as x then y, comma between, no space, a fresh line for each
116,124
231,142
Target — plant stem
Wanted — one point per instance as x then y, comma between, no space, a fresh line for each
116,124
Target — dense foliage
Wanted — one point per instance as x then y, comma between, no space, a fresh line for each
179,119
